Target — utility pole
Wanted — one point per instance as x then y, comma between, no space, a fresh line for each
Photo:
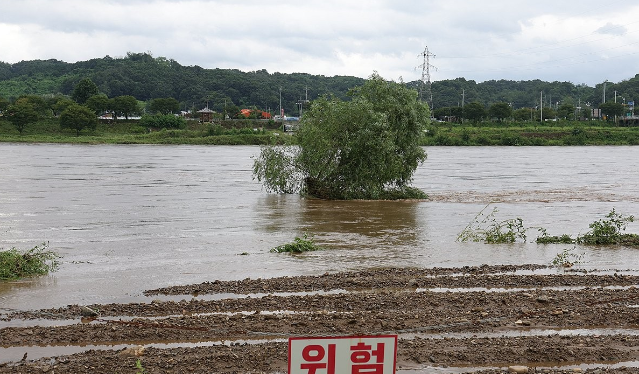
426,55
463,99
302,102
281,110
541,107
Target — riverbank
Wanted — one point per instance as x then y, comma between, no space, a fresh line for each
471,319
247,132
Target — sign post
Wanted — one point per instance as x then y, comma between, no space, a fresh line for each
343,355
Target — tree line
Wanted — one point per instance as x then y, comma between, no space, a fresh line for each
147,78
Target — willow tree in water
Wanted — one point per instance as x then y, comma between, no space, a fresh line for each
365,148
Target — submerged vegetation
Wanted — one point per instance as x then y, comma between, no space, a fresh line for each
365,148
486,228
299,245
567,258
15,264
608,231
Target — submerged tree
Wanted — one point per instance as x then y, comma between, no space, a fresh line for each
366,148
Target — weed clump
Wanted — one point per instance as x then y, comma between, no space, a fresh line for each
486,228
610,231
15,264
567,258
299,245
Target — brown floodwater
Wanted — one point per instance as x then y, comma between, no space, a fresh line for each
127,218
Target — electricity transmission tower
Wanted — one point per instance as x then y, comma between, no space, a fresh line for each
426,84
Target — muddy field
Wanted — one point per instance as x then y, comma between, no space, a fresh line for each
487,319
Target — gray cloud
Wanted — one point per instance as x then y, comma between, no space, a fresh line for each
517,40
612,29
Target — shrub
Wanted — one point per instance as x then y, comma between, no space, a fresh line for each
298,245
36,261
163,121
610,230
491,231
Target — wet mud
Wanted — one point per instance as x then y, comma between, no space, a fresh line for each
484,319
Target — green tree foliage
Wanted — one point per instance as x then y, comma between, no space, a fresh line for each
125,105
39,104
99,104
164,105
78,117
21,113
84,90
146,77
500,111
566,111
4,103
366,148
474,111
612,109
60,104
524,114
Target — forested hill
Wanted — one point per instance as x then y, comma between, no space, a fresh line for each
146,77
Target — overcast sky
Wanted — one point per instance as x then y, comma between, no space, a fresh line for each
580,41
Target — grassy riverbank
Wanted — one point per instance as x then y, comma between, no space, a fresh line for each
129,132
562,133
527,133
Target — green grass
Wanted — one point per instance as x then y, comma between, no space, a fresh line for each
562,133
15,264
130,132
530,134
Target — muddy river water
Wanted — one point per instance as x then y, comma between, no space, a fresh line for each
131,218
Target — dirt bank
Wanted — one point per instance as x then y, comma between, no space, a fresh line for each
467,319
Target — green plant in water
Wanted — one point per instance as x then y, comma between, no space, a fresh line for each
610,231
15,264
567,258
544,238
298,245
486,228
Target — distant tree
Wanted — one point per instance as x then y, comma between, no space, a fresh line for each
523,114
4,103
98,103
84,90
60,104
449,114
549,113
365,148
500,111
164,106
233,111
474,111
20,114
566,111
125,105
78,117
40,104
612,109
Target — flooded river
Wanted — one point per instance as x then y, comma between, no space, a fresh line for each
131,218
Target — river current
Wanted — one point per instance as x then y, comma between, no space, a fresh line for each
127,218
